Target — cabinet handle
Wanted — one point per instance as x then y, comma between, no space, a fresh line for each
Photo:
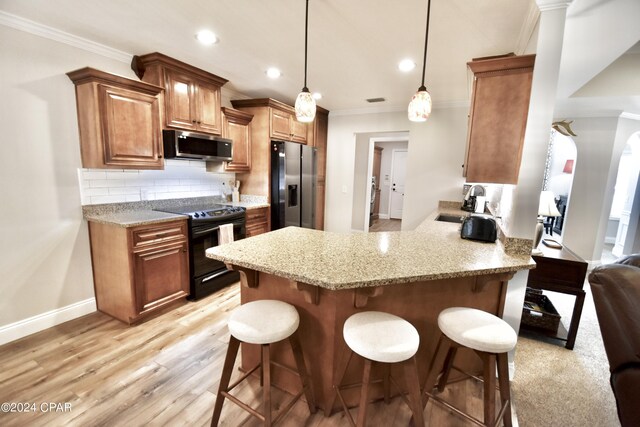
184,250
159,156
199,122
193,121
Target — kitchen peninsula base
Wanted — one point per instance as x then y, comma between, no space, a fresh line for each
324,311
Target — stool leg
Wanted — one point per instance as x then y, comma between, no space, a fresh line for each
266,388
386,382
412,383
302,370
364,394
489,376
437,362
505,393
227,369
446,371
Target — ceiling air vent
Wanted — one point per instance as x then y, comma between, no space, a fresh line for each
376,100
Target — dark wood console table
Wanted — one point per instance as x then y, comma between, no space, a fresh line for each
559,270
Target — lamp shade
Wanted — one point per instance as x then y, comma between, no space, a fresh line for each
547,206
420,106
568,167
305,106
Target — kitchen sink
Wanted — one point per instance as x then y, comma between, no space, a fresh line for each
450,218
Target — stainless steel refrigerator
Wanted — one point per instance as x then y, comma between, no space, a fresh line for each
293,185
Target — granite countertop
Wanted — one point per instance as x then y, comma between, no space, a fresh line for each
434,250
132,214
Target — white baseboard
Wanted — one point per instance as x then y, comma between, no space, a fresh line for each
383,216
610,240
40,322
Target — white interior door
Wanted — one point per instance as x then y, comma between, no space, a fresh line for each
621,236
398,175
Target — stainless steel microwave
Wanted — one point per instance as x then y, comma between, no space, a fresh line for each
180,144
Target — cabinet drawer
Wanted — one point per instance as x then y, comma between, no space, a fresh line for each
255,229
256,215
161,233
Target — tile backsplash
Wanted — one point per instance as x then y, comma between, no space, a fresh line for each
179,179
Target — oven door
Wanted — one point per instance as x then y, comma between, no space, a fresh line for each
206,271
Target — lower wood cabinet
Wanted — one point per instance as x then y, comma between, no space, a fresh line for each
257,221
138,270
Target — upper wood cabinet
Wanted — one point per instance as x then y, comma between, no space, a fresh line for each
236,125
498,118
285,126
119,121
192,95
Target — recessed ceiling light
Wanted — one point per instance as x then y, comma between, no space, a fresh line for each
273,72
317,95
206,37
406,65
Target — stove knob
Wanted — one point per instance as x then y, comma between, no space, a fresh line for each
203,214
195,215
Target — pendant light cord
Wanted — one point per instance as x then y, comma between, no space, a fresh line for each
426,41
306,31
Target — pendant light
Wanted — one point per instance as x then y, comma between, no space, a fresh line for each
420,105
305,104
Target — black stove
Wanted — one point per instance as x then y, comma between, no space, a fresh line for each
209,275
207,212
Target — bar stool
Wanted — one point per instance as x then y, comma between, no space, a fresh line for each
383,338
262,322
491,338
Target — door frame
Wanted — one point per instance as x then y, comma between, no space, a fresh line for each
372,141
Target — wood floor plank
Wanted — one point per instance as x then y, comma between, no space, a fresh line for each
161,372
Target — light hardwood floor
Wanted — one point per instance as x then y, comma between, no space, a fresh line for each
164,371
385,225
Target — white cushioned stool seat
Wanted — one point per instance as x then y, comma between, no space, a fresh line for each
264,321
477,329
381,337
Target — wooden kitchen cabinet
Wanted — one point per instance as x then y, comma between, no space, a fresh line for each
257,221
284,126
139,270
192,99
498,118
236,125
119,120
317,137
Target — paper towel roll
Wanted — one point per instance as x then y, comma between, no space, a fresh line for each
480,201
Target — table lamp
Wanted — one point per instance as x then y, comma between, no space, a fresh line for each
546,207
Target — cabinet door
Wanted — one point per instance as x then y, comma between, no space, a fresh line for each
298,131
208,112
160,273
280,125
257,221
240,134
131,131
180,101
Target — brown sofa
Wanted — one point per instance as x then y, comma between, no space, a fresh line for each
616,294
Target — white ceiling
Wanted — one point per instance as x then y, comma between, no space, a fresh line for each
354,45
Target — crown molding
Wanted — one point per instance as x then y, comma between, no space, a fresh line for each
632,116
395,108
546,5
51,33
527,29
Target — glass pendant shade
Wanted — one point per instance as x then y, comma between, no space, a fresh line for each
420,106
305,106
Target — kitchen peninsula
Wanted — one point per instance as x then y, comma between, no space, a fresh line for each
329,276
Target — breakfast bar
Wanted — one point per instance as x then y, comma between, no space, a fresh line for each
330,276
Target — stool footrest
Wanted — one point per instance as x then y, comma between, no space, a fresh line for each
243,377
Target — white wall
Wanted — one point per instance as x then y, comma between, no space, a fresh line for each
44,257
600,143
434,172
360,182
